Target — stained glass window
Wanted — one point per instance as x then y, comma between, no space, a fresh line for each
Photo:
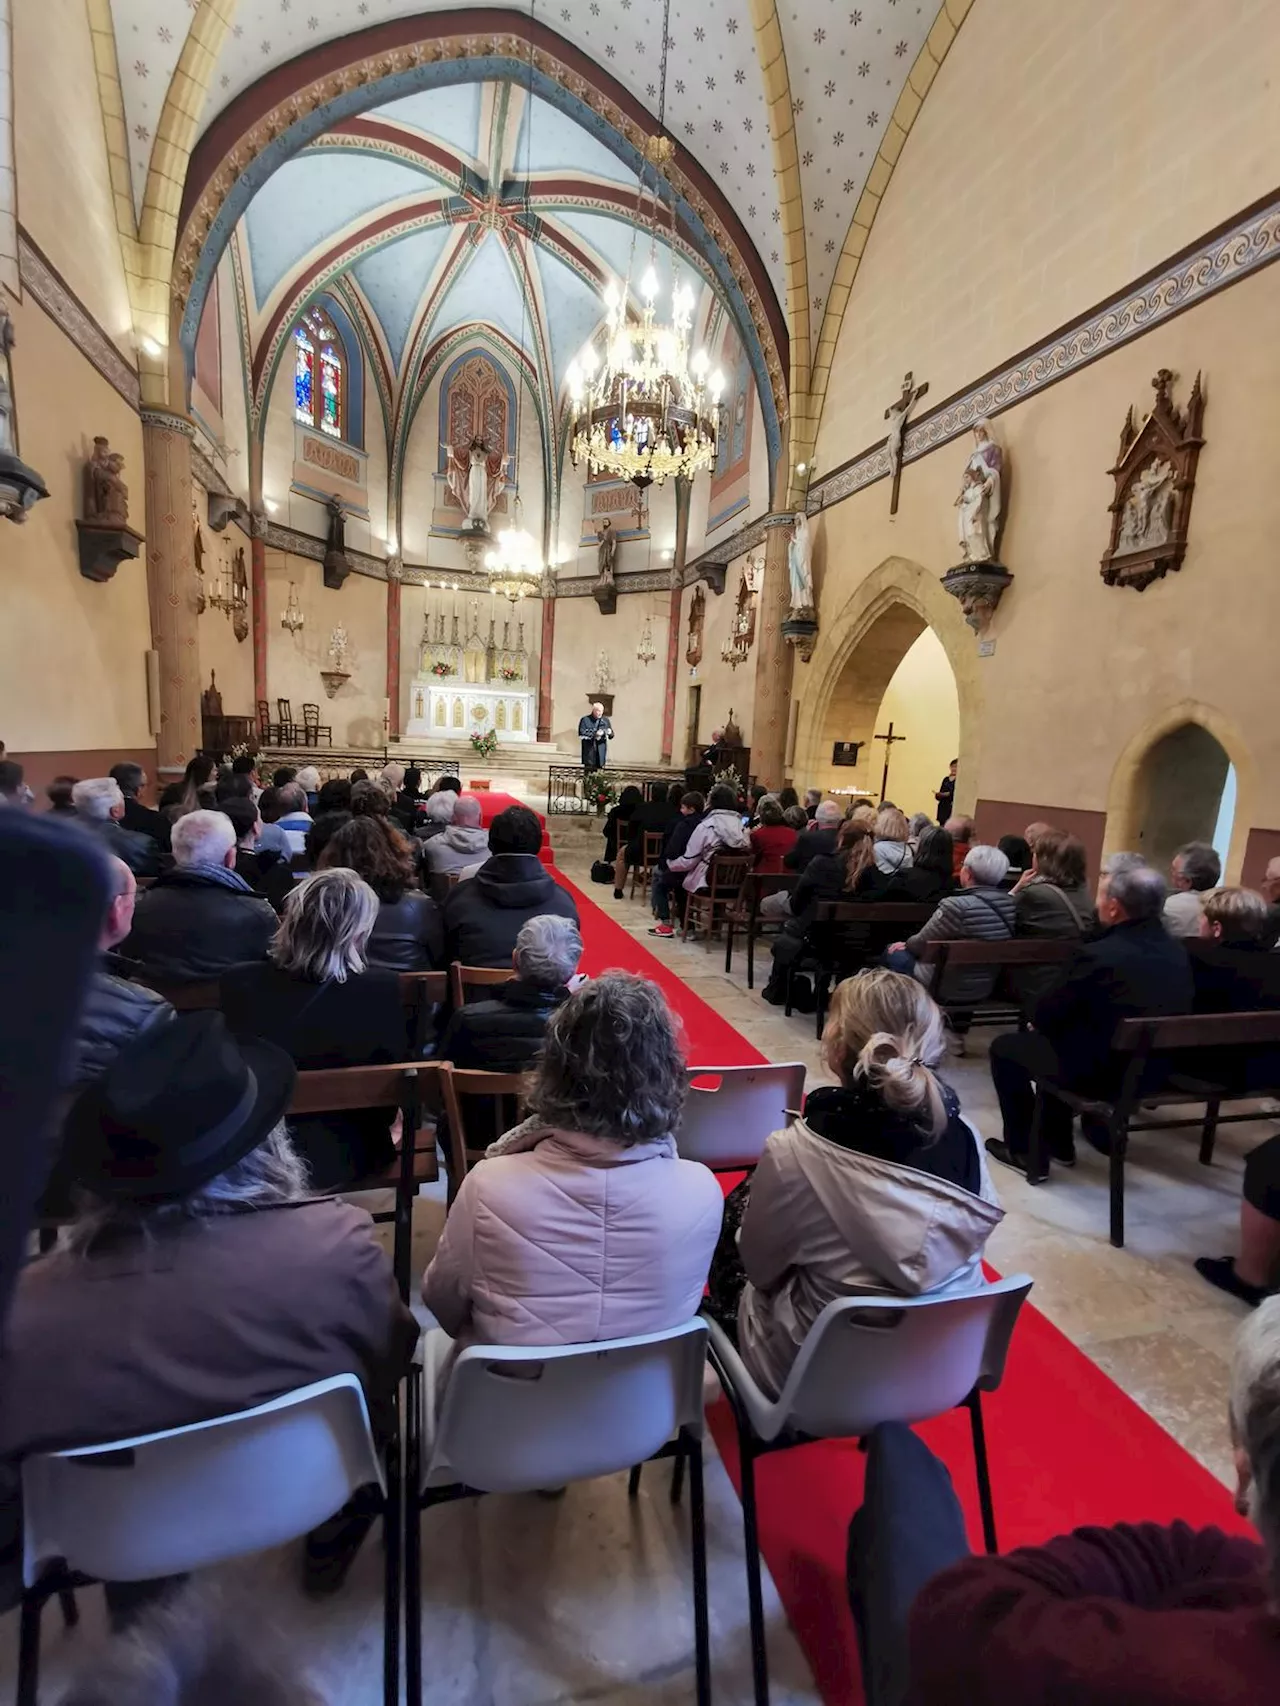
319,397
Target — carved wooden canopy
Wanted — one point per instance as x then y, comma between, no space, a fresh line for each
1155,476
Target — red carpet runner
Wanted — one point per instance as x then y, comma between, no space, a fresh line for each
1067,1446
492,803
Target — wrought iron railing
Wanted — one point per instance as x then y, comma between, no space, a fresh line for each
565,786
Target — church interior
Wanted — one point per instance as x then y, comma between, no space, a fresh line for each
576,409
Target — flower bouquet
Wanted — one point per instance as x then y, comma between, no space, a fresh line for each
441,668
509,672
485,744
599,790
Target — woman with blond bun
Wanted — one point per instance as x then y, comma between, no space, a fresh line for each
880,1188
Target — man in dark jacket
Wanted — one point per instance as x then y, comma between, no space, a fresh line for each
666,881
505,1031
200,918
819,839
1134,970
483,916
652,817
99,808
115,1012
131,780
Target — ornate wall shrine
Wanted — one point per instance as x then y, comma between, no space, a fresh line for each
472,676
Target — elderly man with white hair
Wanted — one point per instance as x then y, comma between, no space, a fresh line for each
463,842
437,815
505,1031
200,918
981,912
99,807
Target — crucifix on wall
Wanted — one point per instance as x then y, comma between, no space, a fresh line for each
890,741
896,414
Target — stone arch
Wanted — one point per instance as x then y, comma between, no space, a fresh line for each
1125,795
891,608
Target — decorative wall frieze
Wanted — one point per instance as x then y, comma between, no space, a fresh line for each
1220,260
70,315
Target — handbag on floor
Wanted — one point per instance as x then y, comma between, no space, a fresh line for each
602,872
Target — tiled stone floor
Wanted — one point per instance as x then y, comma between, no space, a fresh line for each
531,1602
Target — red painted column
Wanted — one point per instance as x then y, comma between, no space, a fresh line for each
393,650
546,657
258,604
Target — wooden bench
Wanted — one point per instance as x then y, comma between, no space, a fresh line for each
829,939
1167,1062
747,914
1013,952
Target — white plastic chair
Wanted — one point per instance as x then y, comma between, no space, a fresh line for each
165,1503
726,1124
514,1420
869,1360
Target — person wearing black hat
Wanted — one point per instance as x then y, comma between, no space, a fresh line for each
199,1278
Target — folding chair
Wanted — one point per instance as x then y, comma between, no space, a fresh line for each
464,978
869,1360
503,1095
513,1420
731,1111
165,1503
711,906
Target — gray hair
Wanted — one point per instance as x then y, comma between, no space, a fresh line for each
829,814
268,1175
1139,889
308,779
1201,865
291,798
814,794
97,798
466,811
989,865
612,1064
439,807
1116,862
325,926
203,838
548,949
917,823
1255,1420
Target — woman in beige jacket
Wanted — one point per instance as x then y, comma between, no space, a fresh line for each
880,1188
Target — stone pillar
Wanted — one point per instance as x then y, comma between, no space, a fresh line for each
684,490
774,658
166,451
394,572
258,603
546,657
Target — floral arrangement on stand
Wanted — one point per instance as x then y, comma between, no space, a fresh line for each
509,672
599,789
441,668
729,777
485,745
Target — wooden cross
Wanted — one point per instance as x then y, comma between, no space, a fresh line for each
896,414
890,740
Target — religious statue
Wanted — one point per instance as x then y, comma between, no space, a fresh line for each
106,497
606,550
896,415
20,486
476,478
800,564
1148,509
981,502
336,565
1155,476
697,617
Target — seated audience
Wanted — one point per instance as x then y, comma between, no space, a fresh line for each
892,842
405,808
462,841
771,839
281,878
435,817
58,793
445,785
820,838
1270,886
619,817
917,823
812,800
247,765
334,796
1233,967
843,875
99,807
197,1280
199,918
319,999
131,780
928,877
272,839
115,1012
1196,870
13,790
794,818
666,882
1017,850
652,817
589,1188
1134,970
720,831
787,797
308,779
483,917
503,1032
980,912
1136,1614
1053,903
880,1188
755,793
295,820
371,799
232,785
250,865
287,773
961,831
407,934
195,792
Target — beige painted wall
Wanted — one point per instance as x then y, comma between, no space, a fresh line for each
72,671
290,508
1063,151
922,705
220,651
639,689
64,191
294,661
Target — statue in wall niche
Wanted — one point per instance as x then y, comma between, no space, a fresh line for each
981,499
20,486
476,477
106,497
800,564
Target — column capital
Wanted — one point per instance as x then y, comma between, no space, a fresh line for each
780,518
168,420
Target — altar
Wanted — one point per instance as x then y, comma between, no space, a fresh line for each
448,709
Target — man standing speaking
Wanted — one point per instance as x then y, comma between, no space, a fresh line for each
595,731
